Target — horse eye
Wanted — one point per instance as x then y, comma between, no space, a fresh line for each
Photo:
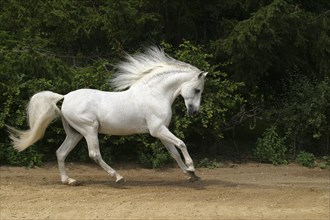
197,91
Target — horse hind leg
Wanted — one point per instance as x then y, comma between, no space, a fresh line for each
95,154
71,140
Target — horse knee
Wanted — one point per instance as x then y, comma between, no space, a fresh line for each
60,155
96,157
181,145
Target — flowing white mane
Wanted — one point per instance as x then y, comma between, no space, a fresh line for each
142,65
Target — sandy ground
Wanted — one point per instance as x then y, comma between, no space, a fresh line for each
242,191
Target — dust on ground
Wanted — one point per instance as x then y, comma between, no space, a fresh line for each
242,191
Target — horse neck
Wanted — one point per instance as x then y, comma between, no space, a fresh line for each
168,87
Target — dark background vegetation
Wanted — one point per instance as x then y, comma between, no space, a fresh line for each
266,98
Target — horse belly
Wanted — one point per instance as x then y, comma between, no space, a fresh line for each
122,127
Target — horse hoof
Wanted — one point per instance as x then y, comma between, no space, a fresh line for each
193,177
71,182
74,183
120,180
191,169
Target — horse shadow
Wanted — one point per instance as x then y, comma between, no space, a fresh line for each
198,185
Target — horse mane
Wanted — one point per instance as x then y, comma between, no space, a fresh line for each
138,66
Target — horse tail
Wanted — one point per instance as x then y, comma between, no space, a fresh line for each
41,111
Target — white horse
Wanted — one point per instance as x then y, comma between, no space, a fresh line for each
153,80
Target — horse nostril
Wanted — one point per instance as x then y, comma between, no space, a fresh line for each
192,111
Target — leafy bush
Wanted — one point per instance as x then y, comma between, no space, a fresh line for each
270,148
326,163
303,112
29,157
208,163
306,159
154,155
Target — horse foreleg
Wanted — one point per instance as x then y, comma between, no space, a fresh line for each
95,154
175,154
165,135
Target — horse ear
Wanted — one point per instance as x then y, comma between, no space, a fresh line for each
202,74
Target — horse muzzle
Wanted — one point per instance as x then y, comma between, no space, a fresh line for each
192,111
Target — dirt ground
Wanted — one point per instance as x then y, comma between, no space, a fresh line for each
240,191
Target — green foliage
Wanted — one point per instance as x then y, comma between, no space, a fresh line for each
79,27
303,112
29,157
95,76
325,164
306,159
154,155
275,38
270,148
208,163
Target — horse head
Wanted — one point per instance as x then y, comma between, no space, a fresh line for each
191,91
